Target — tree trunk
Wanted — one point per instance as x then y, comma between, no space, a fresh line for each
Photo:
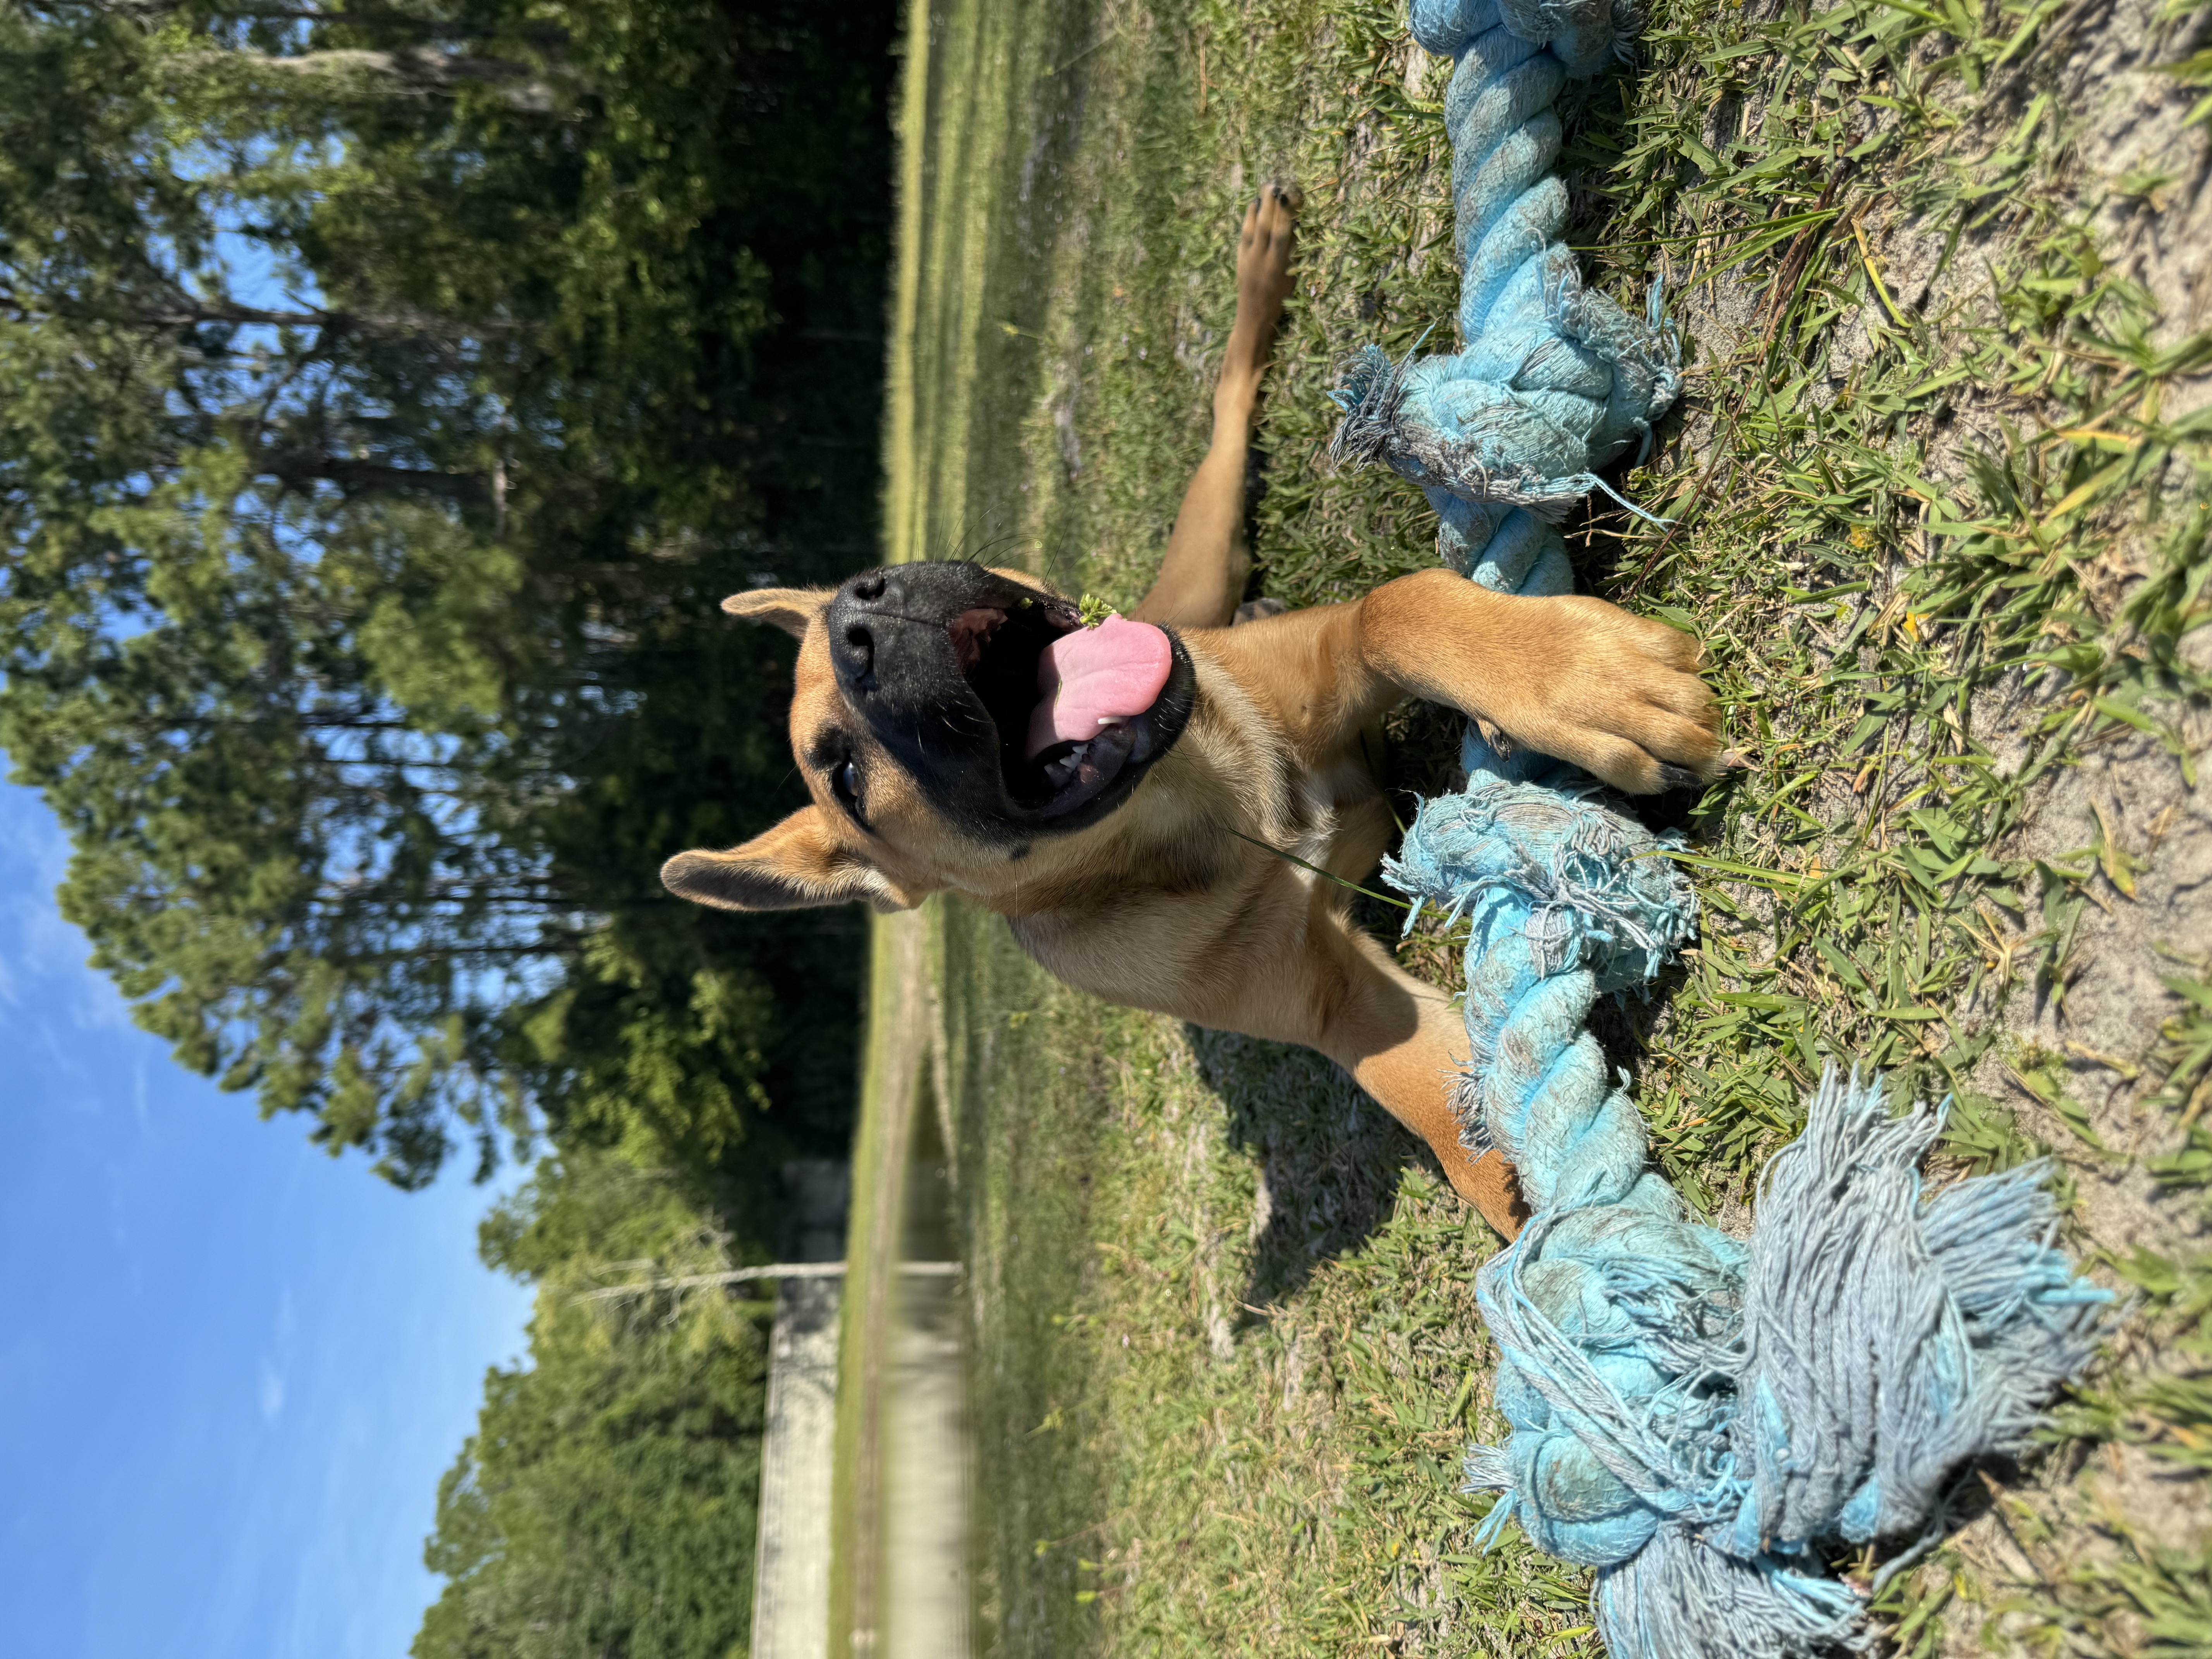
376,478
405,71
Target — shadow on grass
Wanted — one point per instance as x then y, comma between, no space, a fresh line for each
1330,1159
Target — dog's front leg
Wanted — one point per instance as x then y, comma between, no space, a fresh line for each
1572,677
1202,576
1616,695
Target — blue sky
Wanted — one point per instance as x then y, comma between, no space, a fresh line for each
233,1368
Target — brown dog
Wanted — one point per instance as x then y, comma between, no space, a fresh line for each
1128,823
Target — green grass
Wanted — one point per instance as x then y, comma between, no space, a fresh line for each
1933,518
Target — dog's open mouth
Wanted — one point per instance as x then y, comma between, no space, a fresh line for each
1069,703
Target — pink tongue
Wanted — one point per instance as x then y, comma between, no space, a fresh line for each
1095,676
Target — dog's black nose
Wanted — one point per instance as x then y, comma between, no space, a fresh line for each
890,639
867,604
853,646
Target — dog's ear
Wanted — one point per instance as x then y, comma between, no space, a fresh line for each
790,609
797,864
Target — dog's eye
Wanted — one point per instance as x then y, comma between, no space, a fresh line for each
845,784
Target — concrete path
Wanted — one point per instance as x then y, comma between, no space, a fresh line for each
791,1574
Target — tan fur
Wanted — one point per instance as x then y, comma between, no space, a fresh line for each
790,609
1180,901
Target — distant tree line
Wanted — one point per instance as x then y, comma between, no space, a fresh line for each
608,1502
389,391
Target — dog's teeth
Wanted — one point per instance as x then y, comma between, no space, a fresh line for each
1059,771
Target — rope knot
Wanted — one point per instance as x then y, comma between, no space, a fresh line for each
1699,1417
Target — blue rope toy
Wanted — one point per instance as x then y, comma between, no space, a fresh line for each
1700,1418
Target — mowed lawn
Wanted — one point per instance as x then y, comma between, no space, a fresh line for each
1939,498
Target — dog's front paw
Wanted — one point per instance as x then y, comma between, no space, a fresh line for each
1265,243
1619,697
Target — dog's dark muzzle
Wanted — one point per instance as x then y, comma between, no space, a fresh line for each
942,661
889,635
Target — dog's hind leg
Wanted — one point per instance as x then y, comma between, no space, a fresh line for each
1202,577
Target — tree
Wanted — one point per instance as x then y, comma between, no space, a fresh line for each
387,395
607,1502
